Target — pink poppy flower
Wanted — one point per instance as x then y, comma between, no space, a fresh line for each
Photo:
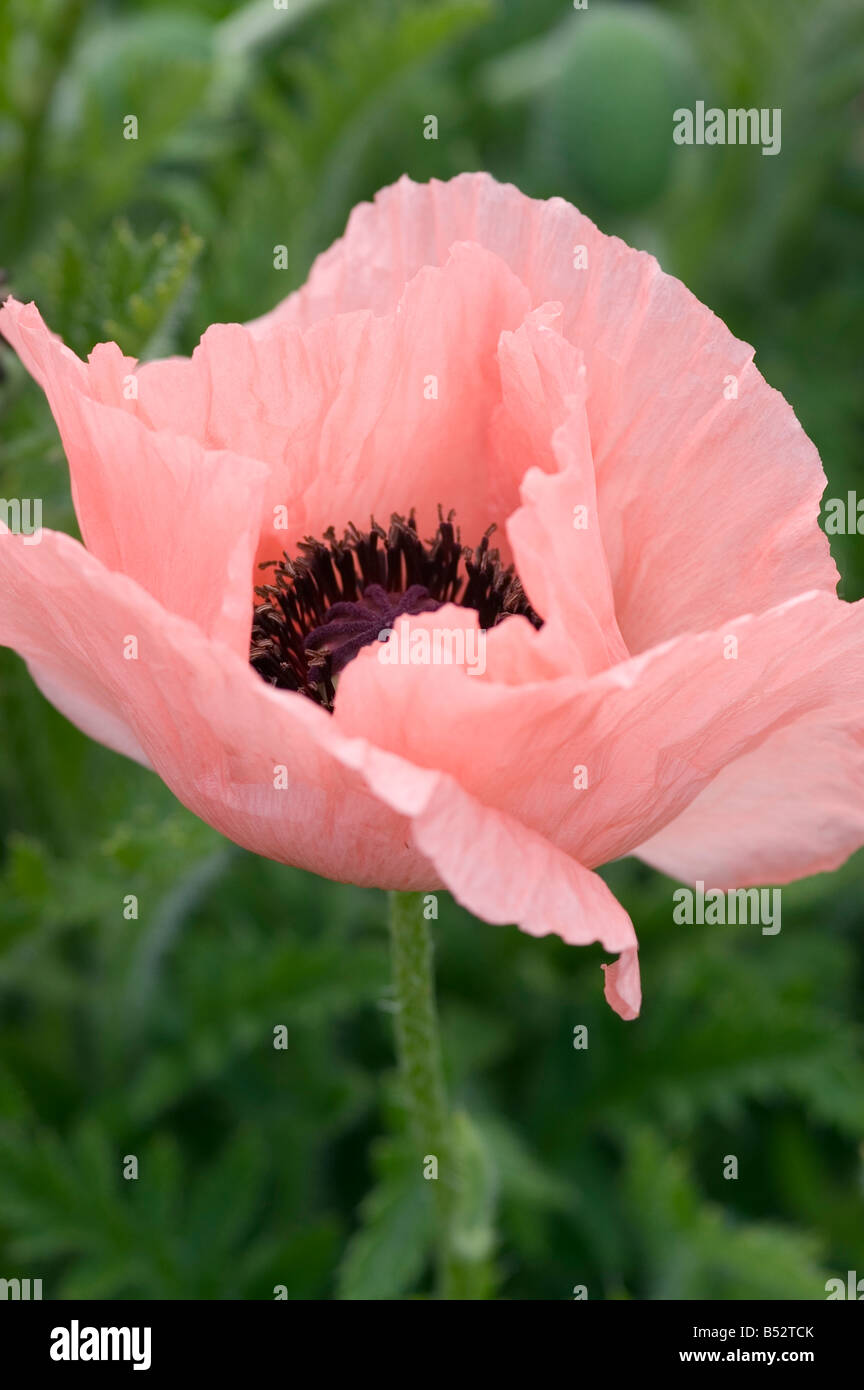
666,669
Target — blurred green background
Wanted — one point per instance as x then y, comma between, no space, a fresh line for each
260,127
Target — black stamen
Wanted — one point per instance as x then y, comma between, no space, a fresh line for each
339,595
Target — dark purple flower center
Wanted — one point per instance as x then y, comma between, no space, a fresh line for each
349,626
340,595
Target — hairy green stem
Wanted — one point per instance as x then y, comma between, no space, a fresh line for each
418,1046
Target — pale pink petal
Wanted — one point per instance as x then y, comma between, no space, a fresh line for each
218,735
623,987
82,700
499,870
555,534
669,446
360,416
793,807
43,353
542,384
180,520
650,734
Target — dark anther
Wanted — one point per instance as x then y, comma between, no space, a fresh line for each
337,596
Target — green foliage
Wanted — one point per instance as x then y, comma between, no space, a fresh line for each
85,309
388,1253
153,1034
693,1249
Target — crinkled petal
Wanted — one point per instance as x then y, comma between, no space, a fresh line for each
268,768
693,449
623,987
360,416
601,765
181,520
500,871
251,761
792,807
555,534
